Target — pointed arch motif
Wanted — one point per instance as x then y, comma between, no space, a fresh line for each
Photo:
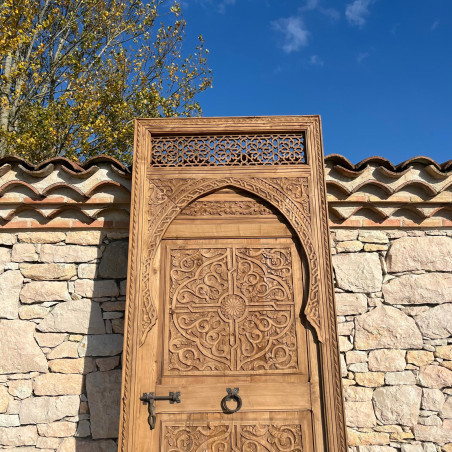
168,197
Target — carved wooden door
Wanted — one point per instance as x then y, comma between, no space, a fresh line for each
230,294
232,321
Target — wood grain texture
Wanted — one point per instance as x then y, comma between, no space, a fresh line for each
230,285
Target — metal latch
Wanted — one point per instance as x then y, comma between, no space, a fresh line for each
150,398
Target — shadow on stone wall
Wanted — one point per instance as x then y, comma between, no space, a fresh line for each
62,301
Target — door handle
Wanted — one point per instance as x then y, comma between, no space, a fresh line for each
232,394
150,398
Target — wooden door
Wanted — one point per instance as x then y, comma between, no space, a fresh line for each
230,288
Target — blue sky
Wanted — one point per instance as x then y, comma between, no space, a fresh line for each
378,72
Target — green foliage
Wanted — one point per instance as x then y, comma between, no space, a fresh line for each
75,73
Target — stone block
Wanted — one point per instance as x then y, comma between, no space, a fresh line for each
400,378
20,352
419,357
420,253
47,443
21,389
358,272
50,339
104,391
360,414
350,303
10,287
41,291
88,271
18,436
80,445
58,384
5,398
24,252
435,377
73,366
386,327
439,435
6,238
373,237
432,399
33,312
85,237
5,257
75,316
69,253
105,364
41,410
436,323
357,394
9,420
387,360
59,429
357,438
41,237
349,246
101,345
88,288
48,272
427,288
370,379
67,349
446,410
114,261
397,404
444,352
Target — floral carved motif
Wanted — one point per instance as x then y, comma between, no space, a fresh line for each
181,192
232,309
234,438
223,208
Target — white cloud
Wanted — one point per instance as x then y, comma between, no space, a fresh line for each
295,33
315,60
434,25
357,12
312,5
362,56
223,4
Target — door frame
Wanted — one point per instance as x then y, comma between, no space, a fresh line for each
296,189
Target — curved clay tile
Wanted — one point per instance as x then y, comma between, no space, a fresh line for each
61,185
71,209
375,183
26,208
427,188
83,174
106,159
337,186
391,174
106,184
43,172
6,188
6,168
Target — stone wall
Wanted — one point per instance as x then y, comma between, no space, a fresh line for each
63,261
62,296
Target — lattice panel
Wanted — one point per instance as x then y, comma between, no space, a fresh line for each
228,150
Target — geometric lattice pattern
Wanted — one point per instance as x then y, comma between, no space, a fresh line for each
228,150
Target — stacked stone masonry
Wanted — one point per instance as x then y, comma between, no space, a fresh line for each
62,299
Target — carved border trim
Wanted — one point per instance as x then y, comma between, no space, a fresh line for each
170,196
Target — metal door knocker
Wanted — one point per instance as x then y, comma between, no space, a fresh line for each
173,397
233,394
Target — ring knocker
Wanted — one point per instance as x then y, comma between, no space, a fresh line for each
233,394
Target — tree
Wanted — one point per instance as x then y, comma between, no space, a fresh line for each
75,73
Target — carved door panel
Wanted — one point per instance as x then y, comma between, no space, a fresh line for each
232,320
230,286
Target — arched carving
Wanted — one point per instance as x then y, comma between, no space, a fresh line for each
168,197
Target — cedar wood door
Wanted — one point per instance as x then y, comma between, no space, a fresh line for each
230,286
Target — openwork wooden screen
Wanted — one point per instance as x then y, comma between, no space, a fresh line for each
264,175
228,150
